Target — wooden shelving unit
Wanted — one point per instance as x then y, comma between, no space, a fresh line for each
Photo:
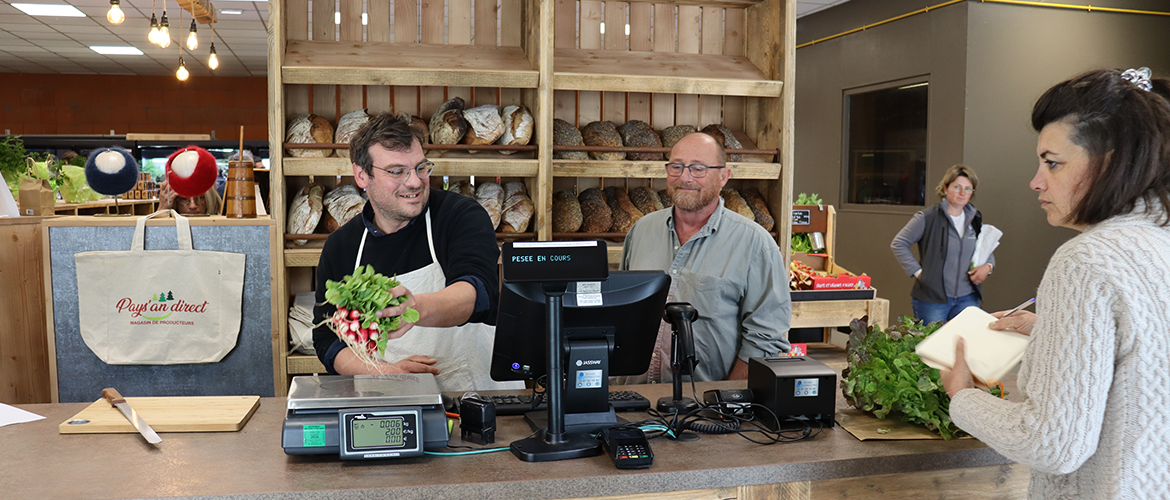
693,62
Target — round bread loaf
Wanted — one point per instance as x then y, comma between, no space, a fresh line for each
671,135
595,213
638,134
603,134
347,126
566,212
623,211
491,197
417,123
485,124
665,198
645,199
309,129
518,127
755,200
733,201
305,211
447,124
462,187
565,134
343,203
725,137
518,210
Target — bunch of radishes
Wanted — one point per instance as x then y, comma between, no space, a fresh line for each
358,298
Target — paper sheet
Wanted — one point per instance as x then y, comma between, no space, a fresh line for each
14,415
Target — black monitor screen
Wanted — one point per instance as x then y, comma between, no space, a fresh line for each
625,310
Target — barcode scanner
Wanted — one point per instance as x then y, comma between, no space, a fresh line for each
680,315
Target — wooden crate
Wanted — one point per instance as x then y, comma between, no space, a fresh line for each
713,61
24,374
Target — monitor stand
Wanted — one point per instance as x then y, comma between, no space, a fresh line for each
589,423
555,443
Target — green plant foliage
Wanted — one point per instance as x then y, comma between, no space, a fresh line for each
886,378
12,155
805,199
801,243
369,292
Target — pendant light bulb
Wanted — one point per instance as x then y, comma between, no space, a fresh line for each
153,35
182,73
164,32
192,40
115,15
213,61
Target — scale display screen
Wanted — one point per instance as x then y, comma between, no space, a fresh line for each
380,433
372,432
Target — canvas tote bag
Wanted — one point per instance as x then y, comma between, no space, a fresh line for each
160,307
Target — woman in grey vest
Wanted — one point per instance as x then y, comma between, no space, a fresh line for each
945,282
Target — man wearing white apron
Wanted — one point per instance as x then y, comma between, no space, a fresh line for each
442,248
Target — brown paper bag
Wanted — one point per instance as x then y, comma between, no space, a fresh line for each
37,197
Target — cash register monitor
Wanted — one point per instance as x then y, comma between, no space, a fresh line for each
609,327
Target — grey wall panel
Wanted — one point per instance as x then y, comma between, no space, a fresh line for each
246,370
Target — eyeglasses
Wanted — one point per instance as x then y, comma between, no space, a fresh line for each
402,173
962,189
698,170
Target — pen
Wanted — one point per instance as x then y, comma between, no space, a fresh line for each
1021,306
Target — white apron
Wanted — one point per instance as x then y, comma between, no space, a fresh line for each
463,352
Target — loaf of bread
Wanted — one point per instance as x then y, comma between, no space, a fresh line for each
485,124
725,137
595,213
566,212
638,134
518,127
419,124
755,200
565,134
305,211
733,201
622,210
491,197
514,187
645,199
665,198
518,210
447,124
309,129
342,204
671,135
462,187
347,126
328,224
603,134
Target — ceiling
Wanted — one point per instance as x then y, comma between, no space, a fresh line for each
60,45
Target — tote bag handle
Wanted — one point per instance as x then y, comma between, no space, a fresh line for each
182,229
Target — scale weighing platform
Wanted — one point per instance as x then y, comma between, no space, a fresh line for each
360,417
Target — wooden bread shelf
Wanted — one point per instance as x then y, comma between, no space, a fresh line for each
381,63
631,71
498,165
652,169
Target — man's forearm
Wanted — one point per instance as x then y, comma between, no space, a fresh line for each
451,306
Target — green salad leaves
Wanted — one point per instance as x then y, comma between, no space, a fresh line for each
886,378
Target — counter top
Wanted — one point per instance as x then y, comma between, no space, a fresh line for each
250,464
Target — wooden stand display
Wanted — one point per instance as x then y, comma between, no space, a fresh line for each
831,314
24,373
665,63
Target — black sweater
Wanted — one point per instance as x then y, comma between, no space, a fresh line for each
465,244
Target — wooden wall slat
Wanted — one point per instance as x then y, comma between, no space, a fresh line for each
431,32
298,19
664,39
589,36
641,39
459,23
733,45
351,97
323,28
485,22
509,28
378,30
690,28
565,29
711,106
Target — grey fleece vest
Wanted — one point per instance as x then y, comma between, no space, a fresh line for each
932,249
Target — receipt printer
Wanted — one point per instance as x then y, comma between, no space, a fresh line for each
793,387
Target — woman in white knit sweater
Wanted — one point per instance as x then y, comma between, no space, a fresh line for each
1095,380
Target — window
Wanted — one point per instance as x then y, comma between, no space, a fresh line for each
886,144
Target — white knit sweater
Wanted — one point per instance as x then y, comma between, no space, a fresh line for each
1095,380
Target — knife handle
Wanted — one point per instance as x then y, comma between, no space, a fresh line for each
111,394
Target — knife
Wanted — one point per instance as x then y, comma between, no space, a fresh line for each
111,394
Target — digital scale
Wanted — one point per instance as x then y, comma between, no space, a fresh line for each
364,417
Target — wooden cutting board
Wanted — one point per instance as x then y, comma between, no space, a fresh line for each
169,414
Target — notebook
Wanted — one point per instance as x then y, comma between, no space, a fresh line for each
990,354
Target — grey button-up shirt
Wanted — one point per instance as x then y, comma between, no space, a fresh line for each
732,272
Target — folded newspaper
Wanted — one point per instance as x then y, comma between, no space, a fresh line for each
988,240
